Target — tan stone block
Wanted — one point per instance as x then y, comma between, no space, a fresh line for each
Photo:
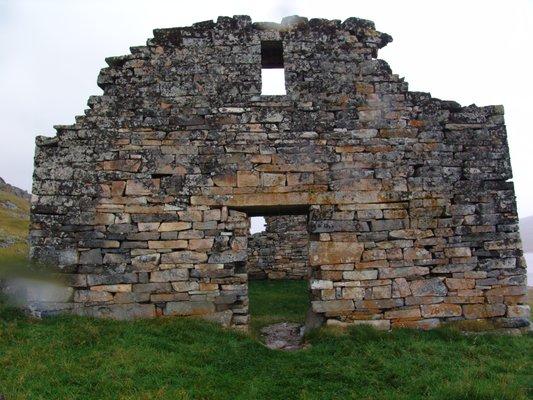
332,306
457,252
246,178
189,308
374,254
117,188
464,299
190,215
507,291
212,215
146,262
360,275
142,187
167,244
225,180
382,292
411,234
458,284
175,274
403,313
424,324
441,310
475,311
380,304
104,219
201,244
321,284
334,252
164,297
273,179
121,165
327,294
400,288
184,256
395,214
416,253
261,158
88,296
518,311
372,264
208,287
300,178
174,226
148,226
354,293
112,288
428,287
402,272
185,286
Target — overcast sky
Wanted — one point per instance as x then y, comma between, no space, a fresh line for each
469,51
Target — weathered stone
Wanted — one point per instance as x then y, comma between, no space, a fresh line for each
332,306
334,252
183,257
403,313
176,274
476,311
91,257
189,308
112,288
167,244
174,226
360,275
457,252
321,284
185,286
459,284
441,310
428,287
89,296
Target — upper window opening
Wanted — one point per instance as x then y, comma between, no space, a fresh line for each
272,70
272,54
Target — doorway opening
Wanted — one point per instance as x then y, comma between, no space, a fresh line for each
278,275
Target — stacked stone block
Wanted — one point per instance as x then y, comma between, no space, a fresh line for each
281,251
142,204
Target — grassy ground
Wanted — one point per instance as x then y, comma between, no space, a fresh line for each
176,358
277,301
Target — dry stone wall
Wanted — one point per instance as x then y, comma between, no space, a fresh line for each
143,203
281,251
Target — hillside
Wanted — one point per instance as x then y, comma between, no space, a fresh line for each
14,221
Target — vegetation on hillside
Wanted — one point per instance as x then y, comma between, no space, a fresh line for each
14,222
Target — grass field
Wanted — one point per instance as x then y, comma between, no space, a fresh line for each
176,358
277,301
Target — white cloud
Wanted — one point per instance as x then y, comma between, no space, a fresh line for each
472,52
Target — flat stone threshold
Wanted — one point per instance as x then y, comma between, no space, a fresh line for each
286,336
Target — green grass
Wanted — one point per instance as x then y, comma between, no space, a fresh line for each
177,358
277,301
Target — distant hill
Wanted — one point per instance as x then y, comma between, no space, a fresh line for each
526,232
14,221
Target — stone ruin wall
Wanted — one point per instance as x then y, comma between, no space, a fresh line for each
142,204
281,251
